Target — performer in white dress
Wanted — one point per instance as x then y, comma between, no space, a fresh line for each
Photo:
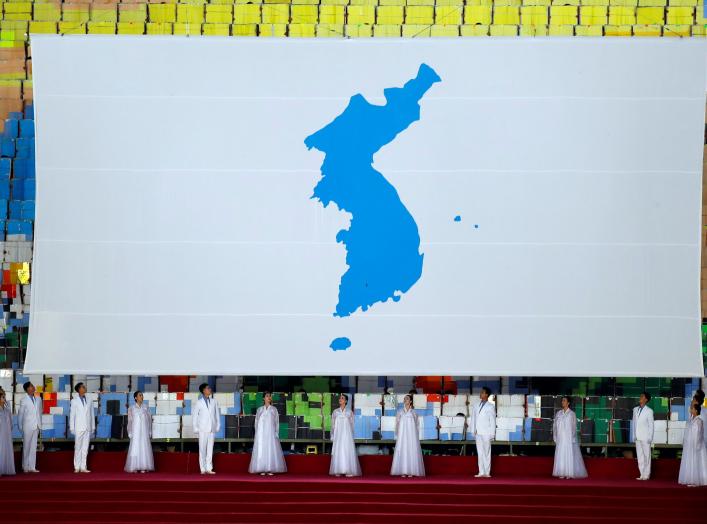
483,426
7,455
643,429
29,420
344,460
568,458
693,466
407,459
140,433
82,423
267,457
206,422
699,398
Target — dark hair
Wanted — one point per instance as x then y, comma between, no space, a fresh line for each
699,395
78,386
136,394
266,393
26,385
345,397
569,400
698,409
647,395
412,400
202,387
487,390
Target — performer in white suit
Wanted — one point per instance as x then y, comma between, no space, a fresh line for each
483,426
29,420
407,458
643,434
82,423
344,460
7,455
693,465
267,457
206,422
140,432
568,458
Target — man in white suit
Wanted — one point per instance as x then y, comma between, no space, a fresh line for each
483,425
82,423
643,434
29,420
206,422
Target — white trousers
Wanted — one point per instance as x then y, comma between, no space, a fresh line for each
29,449
483,450
206,451
81,442
643,453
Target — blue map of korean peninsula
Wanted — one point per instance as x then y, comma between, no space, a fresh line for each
382,241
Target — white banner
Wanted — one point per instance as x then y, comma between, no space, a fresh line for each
502,206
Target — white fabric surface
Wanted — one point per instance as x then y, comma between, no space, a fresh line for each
568,457
643,454
206,451
7,455
140,456
693,466
344,460
81,441
407,458
483,452
267,454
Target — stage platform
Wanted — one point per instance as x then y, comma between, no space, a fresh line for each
521,491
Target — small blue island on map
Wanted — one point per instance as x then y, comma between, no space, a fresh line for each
340,344
382,241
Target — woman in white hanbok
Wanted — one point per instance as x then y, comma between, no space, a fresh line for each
568,458
693,465
7,455
267,457
407,459
344,460
140,433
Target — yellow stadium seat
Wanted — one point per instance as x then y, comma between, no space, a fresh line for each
390,15
162,14
454,3
75,12
533,30
182,28
72,28
418,14
477,14
43,27
593,3
372,3
47,11
190,14
358,30
275,30
301,30
131,28
589,30
387,30
575,3
244,29
330,30
680,15
618,30
536,3
421,2
104,13
246,14
593,15
622,15
416,30
507,3
672,30
275,1
132,13
361,14
474,30
652,3
699,30
216,29
487,3
332,14
444,30
219,14
533,15
392,3
650,16
683,3
158,28
276,14
101,28
239,2
448,15
623,3
563,15
561,30
699,19
647,30
503,30
335,2
505,16
304,14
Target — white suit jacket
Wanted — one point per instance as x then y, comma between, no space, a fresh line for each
29,414
643,424
82,416
483,419
206,419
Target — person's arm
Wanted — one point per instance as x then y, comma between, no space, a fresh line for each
650,427
21,414
573,427
397,424
149,423
92,421
700,434
555,427
417,424
333,423
351,421
72,417
217,412
130,422
258,412
195,416
277,424
472,420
